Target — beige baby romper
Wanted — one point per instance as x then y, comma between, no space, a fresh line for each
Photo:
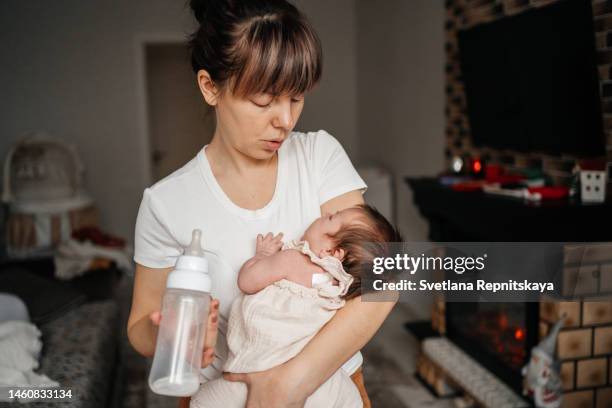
273,325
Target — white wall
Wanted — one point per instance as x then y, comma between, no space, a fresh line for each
333,104
400,115
71,67
400,93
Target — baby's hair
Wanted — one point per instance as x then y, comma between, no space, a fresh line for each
362,242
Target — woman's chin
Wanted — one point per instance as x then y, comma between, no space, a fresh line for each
263,154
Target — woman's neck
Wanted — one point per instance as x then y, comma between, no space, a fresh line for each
225,158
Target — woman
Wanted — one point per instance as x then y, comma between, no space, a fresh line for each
254,61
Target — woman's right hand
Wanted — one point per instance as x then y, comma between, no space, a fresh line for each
212,326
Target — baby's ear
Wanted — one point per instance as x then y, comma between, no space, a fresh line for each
339,253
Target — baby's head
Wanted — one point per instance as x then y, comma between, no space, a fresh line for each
354,235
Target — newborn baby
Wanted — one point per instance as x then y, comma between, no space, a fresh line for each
290,292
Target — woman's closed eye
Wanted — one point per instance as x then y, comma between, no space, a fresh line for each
265,100
262,100
266,105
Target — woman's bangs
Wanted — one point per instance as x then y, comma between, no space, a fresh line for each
279,60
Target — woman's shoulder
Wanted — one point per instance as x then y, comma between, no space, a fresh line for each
177,182
310,144
311,138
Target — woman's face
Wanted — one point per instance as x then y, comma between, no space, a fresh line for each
258,124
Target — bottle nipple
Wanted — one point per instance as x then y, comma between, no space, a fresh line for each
195,247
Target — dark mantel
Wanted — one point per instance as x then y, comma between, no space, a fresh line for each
476,216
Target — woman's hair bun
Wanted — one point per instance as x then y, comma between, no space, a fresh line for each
201,8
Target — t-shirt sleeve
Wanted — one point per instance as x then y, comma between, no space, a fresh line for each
154,244
335,172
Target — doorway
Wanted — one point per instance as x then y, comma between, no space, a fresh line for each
180,122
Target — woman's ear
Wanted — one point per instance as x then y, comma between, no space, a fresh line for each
209,90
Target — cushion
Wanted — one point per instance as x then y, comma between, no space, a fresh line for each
46,299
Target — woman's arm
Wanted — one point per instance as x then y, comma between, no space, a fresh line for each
149,287
346,200
346,333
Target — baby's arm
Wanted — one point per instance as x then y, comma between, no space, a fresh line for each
270,264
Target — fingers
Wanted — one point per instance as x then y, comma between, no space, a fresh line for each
269,237
269,244
210,341
236,377
212,325
207,357
278,241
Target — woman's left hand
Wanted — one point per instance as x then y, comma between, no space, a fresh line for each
273,388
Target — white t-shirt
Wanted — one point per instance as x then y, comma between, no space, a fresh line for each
312,169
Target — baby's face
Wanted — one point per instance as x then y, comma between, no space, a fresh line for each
319,232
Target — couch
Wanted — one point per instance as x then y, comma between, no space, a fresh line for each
80,326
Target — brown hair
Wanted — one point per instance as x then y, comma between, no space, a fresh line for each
362,242
255,46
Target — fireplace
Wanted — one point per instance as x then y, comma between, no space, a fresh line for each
498,335
584,345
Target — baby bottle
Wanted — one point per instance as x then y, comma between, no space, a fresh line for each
184,316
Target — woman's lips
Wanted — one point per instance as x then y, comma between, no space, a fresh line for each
273,144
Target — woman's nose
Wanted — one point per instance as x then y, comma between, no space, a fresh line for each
283,116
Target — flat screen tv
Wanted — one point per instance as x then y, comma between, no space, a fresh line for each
531,81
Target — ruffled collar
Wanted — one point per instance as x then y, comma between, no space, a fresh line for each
331,265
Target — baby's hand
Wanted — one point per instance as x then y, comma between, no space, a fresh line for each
268,245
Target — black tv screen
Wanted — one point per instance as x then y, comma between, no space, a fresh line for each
531,81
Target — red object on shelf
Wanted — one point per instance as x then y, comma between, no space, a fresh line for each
519,334
550,193
476,166
509,179
493,172
98,237
468,186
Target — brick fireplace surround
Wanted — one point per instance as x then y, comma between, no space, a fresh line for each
584,345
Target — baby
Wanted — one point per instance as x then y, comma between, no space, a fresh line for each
290,292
